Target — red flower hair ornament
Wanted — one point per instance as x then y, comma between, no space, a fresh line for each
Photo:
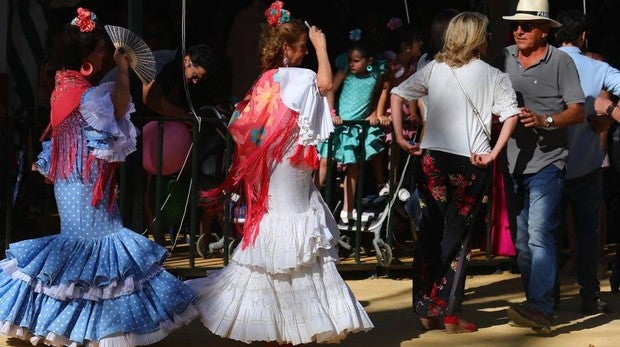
85,20
394,23
276,15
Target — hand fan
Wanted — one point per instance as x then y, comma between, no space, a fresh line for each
142,59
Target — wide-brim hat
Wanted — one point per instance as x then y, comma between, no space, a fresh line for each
533,10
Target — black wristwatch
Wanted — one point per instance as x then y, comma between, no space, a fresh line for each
610,109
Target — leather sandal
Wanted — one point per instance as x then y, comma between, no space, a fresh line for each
457,325
429,323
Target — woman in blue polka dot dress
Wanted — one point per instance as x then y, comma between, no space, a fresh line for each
95,283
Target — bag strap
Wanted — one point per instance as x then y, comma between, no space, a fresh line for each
484,128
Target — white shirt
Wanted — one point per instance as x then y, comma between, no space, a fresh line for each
451,125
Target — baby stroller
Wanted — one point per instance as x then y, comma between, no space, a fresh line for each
384,219
214,163
235,217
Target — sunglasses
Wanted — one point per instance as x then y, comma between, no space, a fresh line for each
525,26
195,78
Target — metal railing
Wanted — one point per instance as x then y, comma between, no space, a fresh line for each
197,124
360,160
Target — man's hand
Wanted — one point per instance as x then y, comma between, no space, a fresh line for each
530,119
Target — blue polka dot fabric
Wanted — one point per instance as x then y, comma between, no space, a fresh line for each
96,281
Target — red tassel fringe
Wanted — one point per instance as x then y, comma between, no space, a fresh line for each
65,153
253,175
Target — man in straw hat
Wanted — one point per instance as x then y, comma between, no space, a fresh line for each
551,99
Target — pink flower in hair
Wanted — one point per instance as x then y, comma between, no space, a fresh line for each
394,23
276,15
85,20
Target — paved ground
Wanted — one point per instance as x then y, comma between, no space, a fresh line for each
388,301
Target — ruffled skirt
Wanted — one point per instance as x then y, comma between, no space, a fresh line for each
346,143
285,287
108,291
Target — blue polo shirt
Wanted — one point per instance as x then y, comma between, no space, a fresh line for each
585,153
546,88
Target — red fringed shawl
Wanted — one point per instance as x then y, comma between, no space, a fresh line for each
65,128
261,131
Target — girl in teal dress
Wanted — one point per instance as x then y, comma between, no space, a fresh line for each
360,78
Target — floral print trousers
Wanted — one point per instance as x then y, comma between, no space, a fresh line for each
451,190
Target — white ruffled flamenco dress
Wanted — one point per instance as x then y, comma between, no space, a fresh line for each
286,287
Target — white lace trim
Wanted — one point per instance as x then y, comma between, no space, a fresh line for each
119,340
69,291
98,111
300,93
505,104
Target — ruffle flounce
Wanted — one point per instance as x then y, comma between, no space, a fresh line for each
346,142
115,340
307,235
44,158
94,269
310,304
299,93
64,290
285,287
109,138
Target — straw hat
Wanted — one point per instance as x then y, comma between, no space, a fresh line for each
533,10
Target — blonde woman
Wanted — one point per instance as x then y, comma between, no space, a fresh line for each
462,93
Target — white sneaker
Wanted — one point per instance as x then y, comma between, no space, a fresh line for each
346,216
352,216
365,216
385,190
403,194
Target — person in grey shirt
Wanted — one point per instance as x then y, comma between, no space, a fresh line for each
547,82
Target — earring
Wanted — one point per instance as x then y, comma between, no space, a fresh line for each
86,69
285,61
369,68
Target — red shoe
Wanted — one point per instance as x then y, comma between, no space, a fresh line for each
457,325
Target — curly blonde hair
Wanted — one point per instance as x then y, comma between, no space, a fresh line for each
272,39
466,32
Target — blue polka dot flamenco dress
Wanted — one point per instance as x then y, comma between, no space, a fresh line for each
96,283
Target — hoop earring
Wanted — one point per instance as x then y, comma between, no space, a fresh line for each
369,68
86,69
285,61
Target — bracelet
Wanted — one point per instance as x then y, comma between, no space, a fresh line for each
332,112
610,109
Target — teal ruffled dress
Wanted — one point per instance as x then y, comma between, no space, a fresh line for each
355,102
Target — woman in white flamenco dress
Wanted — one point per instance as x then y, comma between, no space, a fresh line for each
282,283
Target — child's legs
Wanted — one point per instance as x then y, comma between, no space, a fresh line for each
350,185
319,178
378,168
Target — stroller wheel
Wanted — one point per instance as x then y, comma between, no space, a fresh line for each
202,245
384,254
231,246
